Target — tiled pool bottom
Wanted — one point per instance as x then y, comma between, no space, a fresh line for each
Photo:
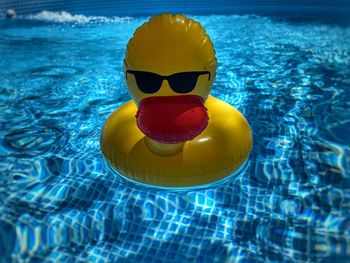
60,81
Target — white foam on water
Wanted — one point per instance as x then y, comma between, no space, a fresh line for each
65,17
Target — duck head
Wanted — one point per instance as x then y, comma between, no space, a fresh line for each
170,67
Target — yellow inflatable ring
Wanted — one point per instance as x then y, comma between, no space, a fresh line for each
173,133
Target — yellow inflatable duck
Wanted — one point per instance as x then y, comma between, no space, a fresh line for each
173,133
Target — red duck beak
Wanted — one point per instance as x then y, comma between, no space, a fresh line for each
172,119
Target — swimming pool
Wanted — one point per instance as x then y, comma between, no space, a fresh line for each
60,78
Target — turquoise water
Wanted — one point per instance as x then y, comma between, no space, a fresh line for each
60,78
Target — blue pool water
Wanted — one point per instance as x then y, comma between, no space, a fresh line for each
60,78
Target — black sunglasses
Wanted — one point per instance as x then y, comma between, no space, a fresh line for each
182,82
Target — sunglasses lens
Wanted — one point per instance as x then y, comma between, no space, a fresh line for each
148,82
183,82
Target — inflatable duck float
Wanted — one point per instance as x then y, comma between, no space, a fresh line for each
173,133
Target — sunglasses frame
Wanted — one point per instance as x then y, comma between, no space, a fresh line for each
200,73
